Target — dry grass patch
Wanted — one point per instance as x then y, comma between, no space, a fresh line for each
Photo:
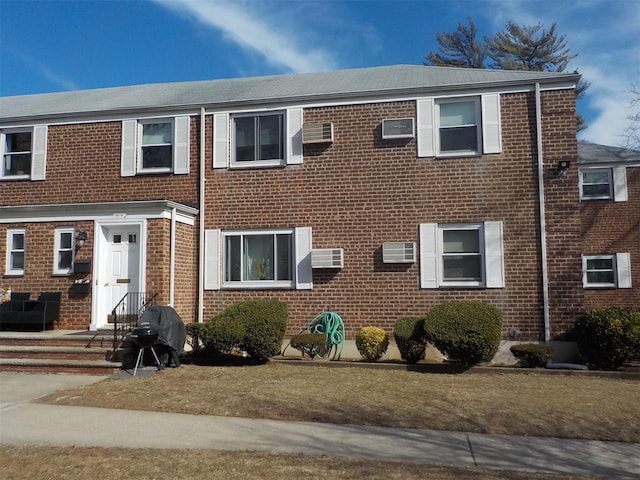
27,463
534,404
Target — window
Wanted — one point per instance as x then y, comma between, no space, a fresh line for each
156,145
596,183
64,249
603,184
458,127
258,140
606,271
258,257
461,255
16,251
16,154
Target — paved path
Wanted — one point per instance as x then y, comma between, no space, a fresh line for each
24,423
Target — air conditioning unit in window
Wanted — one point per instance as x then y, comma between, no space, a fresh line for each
397,128
393,252
317,133
327,258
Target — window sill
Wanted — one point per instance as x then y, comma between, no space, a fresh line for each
256,165
14,178
444,156
258,286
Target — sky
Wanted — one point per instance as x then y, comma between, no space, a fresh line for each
61,45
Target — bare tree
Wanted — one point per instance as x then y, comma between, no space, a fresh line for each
633,131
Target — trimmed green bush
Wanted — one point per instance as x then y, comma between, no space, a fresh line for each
310,343
410,339
608,337
467,332
254,326
372,343
532,354
194,336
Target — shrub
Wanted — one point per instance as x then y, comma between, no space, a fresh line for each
255,326
194,336
410,338
372,343
608,337
467,332
532,354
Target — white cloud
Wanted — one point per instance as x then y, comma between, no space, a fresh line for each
44,70
255,29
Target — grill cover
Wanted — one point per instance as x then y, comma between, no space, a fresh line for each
170,328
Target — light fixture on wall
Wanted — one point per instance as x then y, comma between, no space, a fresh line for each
563,166
80,239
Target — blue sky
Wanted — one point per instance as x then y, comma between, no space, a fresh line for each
58,45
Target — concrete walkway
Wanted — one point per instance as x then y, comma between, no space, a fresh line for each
25,423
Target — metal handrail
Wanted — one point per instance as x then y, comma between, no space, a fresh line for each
127,312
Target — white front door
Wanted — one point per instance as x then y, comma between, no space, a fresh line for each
123,263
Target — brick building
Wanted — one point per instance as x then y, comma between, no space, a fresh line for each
377,192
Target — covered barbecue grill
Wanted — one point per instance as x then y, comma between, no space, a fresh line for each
171,333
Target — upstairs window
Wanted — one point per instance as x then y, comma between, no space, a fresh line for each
156,145
64,249
458,127
258,140
606,271
16,157
16,251
596,184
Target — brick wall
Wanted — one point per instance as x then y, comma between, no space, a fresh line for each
359,195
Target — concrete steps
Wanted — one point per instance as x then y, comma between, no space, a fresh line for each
58,351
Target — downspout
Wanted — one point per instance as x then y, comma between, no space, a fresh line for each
201,220
172,260
543,223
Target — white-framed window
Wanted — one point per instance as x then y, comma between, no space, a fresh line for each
16,251
16,153
260,259
603,183
258,140
459,131
63,251
461,255
606,271
155,145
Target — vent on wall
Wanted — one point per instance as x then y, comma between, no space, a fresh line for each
317,133
327,258
397,128
399,252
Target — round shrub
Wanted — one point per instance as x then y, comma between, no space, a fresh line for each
467,332
223,333
608,337
372,343
532,354
410,339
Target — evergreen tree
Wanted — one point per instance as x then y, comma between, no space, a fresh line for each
459,49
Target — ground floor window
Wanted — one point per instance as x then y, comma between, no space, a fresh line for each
16,251
606,271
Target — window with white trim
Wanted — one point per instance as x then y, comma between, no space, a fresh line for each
16,251
461,255
16,153
606,271
155,146
458,127
258,140
598,183
64,251
258,258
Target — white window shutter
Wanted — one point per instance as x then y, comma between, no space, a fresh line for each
428,255
212,259
491,136
128,156
181,146
221,140
39,157
304,273
294,136
623,269
620,184
426,134
494,258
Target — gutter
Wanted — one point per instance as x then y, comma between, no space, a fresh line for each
543,224
203,180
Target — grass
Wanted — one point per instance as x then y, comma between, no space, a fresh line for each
537,404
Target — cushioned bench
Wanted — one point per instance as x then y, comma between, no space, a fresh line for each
22,313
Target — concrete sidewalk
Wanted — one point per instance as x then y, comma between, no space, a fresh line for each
24,423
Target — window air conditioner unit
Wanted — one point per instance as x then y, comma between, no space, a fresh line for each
327,258
399,252
317,133
397,128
